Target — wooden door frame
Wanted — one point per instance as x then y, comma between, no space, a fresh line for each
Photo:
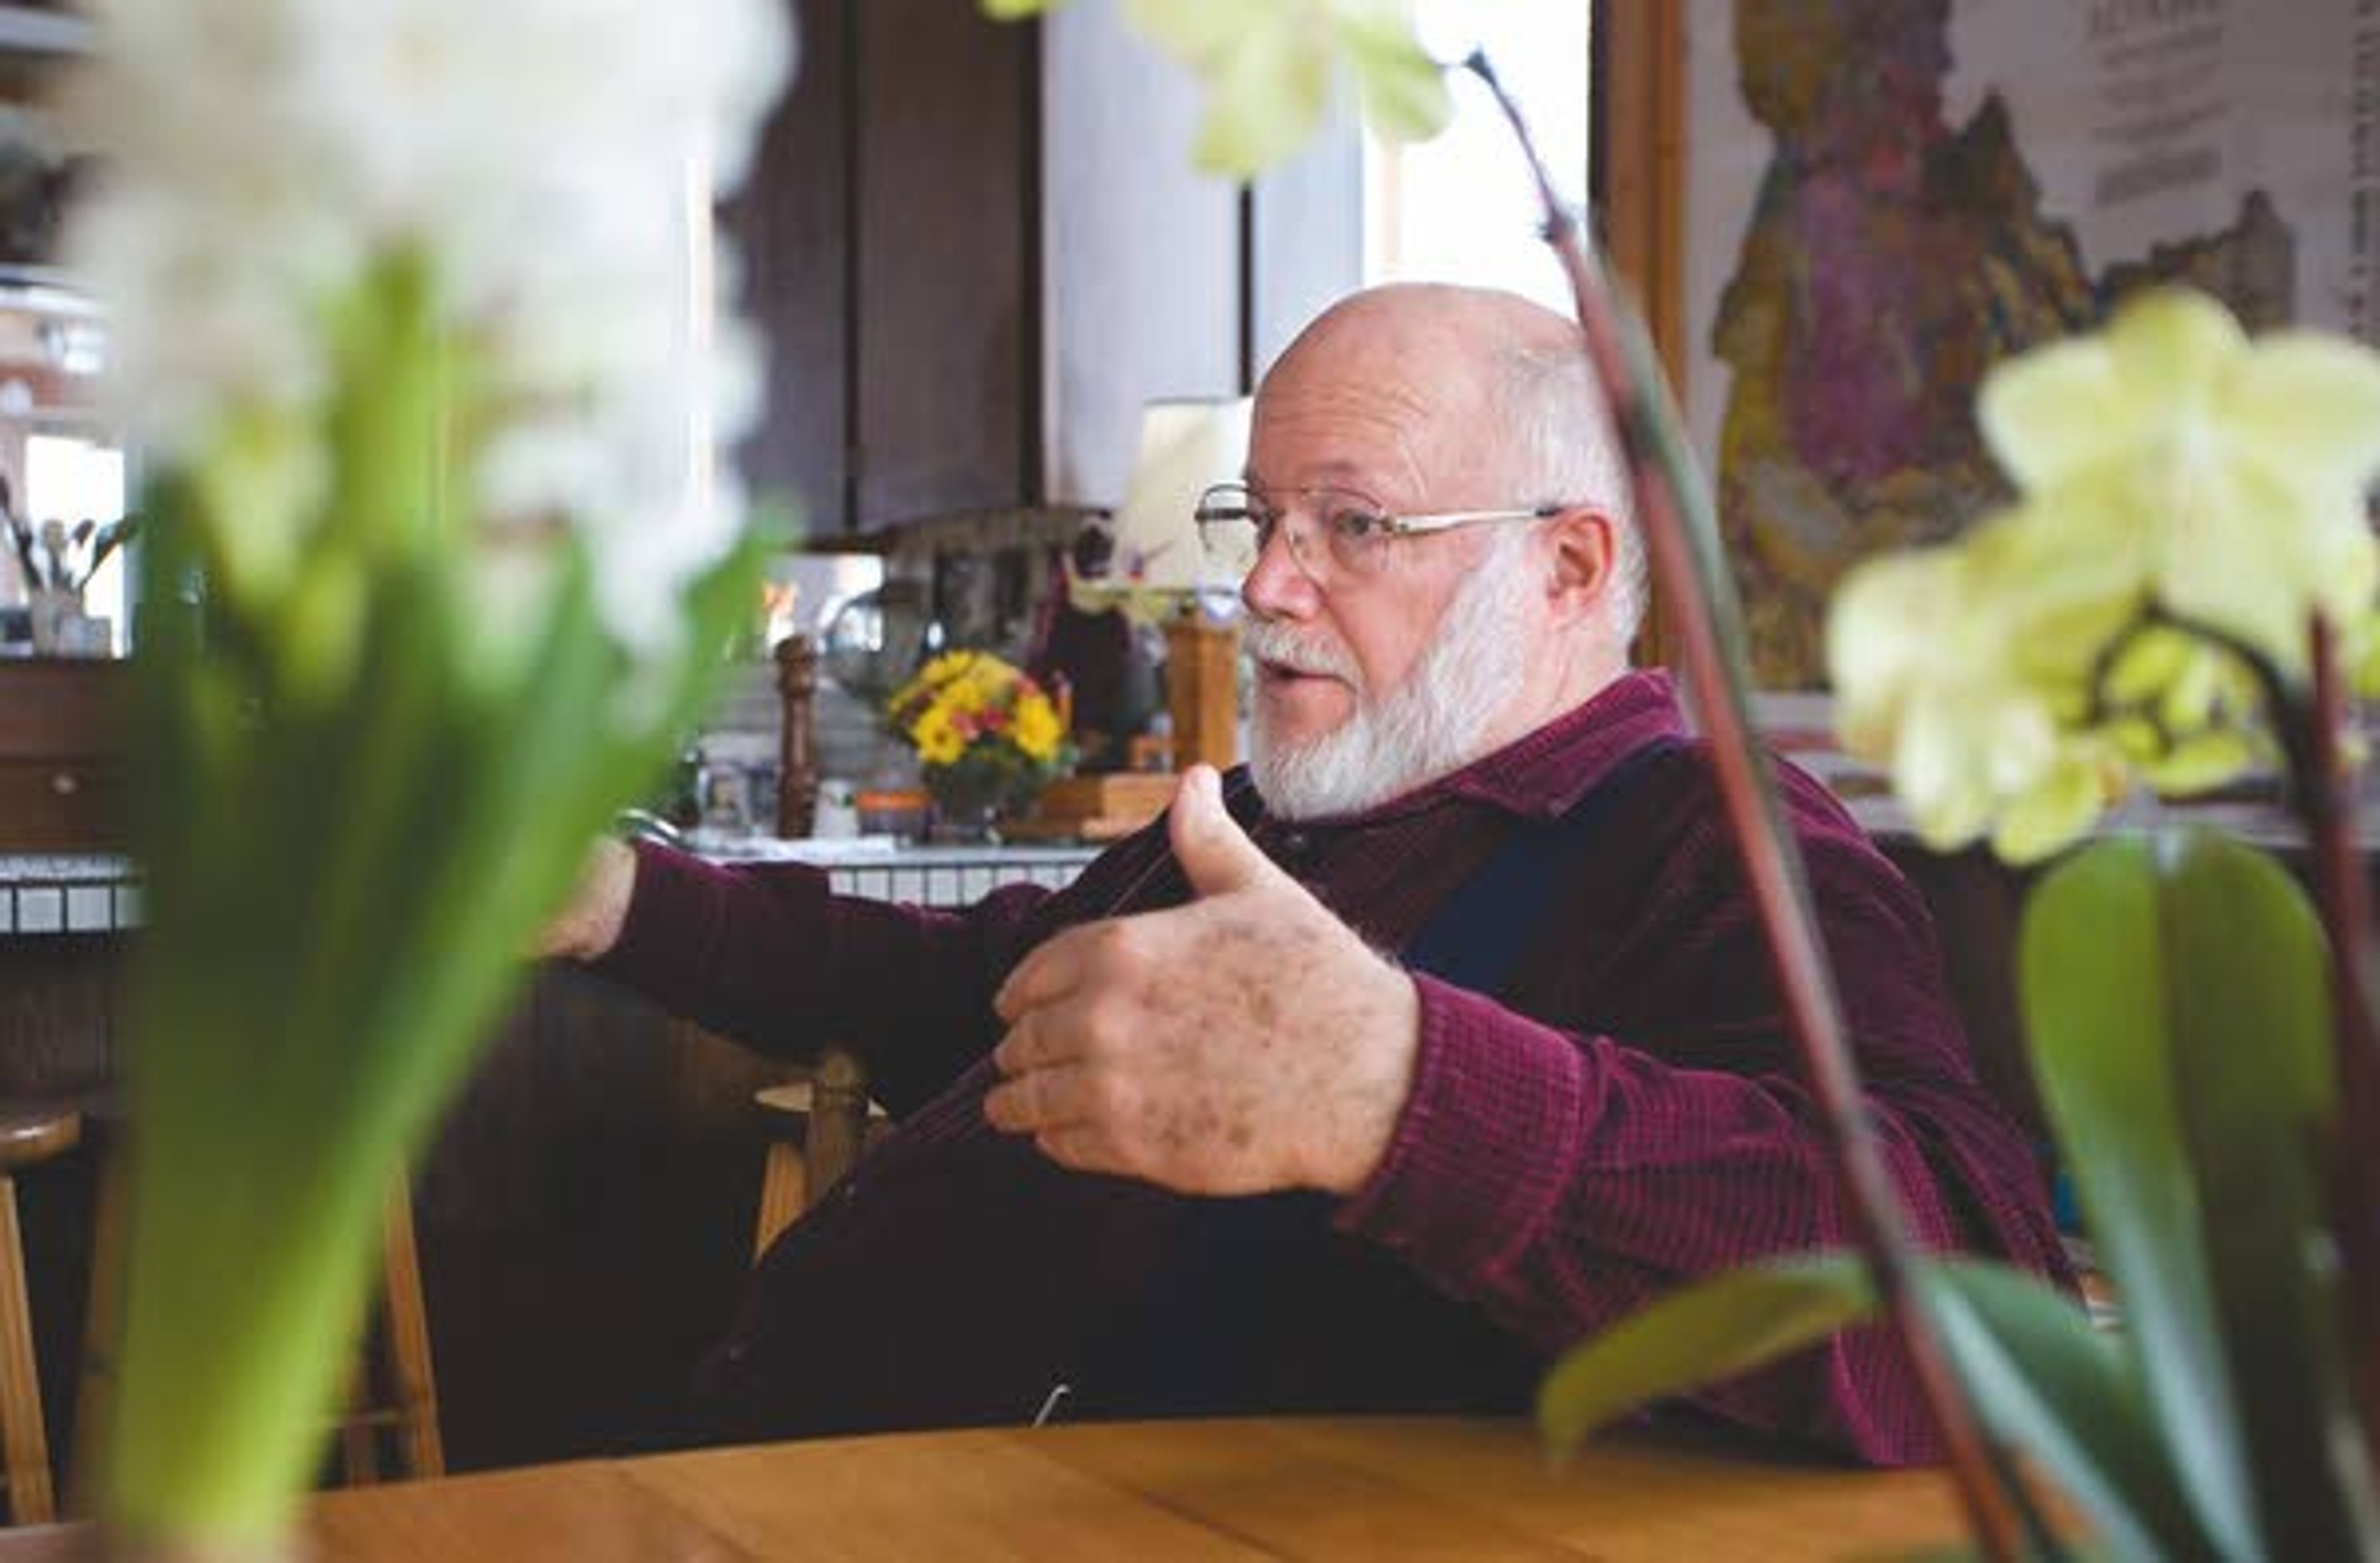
1637,151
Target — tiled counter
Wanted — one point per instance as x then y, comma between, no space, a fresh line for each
42,894
47,895
924,876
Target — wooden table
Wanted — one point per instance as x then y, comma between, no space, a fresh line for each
1419,1488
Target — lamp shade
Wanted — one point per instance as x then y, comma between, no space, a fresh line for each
1186,447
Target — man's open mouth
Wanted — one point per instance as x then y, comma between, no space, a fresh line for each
1285,674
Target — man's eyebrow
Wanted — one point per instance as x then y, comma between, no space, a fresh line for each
1330,474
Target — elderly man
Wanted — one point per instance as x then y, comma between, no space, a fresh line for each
1455,998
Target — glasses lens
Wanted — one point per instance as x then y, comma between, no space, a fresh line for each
1228,526
1358,529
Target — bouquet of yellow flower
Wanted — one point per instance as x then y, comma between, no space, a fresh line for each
987,735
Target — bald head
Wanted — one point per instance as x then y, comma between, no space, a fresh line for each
1456,327
1487,397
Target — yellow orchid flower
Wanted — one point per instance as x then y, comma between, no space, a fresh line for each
1927,685
1270,68
2223,477
2176,478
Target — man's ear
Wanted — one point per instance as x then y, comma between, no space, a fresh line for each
1586,545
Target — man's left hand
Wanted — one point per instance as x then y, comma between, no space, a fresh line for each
1246,1042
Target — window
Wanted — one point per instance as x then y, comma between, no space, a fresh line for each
76,481
1462,208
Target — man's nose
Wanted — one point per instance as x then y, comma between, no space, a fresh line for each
1276,585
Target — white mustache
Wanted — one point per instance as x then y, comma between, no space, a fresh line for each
1277,643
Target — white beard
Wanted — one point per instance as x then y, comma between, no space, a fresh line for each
1431,725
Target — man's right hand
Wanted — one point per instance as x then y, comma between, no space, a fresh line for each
588,924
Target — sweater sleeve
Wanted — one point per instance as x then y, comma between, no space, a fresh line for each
767,955
1559,1177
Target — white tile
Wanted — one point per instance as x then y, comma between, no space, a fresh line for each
41,909
90,909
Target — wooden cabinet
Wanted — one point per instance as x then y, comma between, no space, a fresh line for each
888,263
976,249
60,780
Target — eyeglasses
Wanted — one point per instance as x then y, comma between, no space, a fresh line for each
1237,525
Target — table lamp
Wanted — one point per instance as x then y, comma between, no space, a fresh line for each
1156,571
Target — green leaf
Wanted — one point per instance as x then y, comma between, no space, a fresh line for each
1017,10
2175,996
1716,1328
2099,1005
2043,1379
2252,1060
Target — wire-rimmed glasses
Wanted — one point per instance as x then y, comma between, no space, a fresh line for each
1236,523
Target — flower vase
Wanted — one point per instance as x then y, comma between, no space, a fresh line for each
56,614
964,816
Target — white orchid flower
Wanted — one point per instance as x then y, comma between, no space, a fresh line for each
268,158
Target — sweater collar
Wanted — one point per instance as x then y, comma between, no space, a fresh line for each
1543,773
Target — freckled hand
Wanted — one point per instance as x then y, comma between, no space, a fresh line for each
1246,1042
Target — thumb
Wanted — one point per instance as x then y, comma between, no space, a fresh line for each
1207,842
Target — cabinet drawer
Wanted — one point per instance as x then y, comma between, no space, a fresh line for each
52,707
60,806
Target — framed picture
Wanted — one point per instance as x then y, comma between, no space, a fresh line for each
1841,213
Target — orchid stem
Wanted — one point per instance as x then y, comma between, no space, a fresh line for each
2321,775
1674,510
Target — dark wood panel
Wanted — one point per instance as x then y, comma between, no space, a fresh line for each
1141,253
946,322
61,1007
60,806
59,707
791,226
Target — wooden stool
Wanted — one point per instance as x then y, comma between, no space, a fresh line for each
407,1404
816,1128
24,1142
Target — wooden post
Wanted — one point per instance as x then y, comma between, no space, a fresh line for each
797,773
1202,690
26,1449
1642,120
410,1366
838,1126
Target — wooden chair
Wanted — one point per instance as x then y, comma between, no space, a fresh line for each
395,1391
816,1128
25,1141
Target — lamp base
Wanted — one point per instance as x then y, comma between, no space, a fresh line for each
1202,691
